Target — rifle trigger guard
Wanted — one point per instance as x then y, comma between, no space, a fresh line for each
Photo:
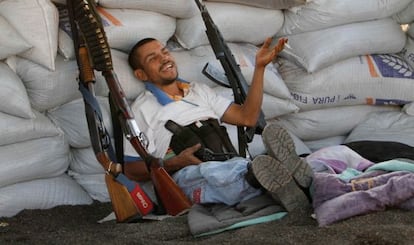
108,171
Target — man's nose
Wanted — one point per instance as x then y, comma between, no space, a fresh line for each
164,57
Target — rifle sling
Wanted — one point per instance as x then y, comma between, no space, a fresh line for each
90,99
117,132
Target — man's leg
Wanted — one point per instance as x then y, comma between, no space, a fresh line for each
270,174
217,182
280,146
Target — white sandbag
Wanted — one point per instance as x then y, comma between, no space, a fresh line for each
14,99
11,42
271,106
130,84
41,194
191,63
324,123
393,126
65,45
17,129
37,22
318,49
64,1
48,89
65,42
269,4
409,109
174,8
410,31
95,185
84,161
315,145
70,117
370,79
256,147
125,27
406,15
33,159
321,14
408,52
237,23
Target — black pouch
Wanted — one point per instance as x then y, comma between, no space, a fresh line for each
215,142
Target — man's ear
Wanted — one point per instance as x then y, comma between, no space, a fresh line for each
140,74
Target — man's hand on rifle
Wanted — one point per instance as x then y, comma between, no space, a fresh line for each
187,157
136,170
265,54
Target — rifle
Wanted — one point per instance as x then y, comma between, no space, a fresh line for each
128,200
94,54
233,77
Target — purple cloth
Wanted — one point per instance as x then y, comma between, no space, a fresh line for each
335,159
395,189
328,186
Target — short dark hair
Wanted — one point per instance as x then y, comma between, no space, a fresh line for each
133,58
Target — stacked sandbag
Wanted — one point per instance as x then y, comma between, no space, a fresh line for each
391,126
49,89
37,23
269,4
277,99
322,14
406,15
237,23
83,166
319,124
126,22
410,31
46,151
369,79
408,51
34,153
342,62
244,25
175,8
319,49
42,193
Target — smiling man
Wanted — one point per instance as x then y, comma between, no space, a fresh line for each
169,97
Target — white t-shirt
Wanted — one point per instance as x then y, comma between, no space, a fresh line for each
199,104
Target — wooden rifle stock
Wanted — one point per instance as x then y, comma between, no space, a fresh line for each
122,203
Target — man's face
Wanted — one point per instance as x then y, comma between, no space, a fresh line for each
158,66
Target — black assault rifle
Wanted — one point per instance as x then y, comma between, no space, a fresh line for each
233,77
93,53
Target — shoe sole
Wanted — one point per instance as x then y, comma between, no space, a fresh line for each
280,146
276,179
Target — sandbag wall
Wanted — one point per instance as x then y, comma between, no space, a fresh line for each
342,59
336,70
